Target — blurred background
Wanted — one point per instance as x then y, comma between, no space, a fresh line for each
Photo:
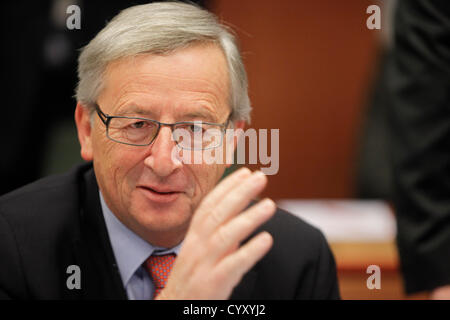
315,73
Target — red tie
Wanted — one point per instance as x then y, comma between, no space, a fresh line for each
159,268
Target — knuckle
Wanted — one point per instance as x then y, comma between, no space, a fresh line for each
216,216
221,237
247,221
229,274
199,212
205,203
237,272
242,255
221,277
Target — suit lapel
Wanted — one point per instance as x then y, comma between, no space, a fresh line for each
100,274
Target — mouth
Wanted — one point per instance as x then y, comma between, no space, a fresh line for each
160,195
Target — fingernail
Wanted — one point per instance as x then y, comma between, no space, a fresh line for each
244,171
259,175
268,204
266,238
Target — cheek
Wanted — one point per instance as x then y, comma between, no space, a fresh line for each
113,156
105,156
101,145
118,166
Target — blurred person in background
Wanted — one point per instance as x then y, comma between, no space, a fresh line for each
418,84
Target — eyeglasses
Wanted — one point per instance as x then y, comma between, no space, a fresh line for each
188,135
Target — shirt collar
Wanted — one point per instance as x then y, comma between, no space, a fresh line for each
129,249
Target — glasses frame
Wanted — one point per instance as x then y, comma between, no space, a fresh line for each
106,119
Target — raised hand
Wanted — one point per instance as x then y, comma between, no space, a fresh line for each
212,262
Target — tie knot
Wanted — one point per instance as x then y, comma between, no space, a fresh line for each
159,266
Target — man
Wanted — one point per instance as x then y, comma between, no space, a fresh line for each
138,221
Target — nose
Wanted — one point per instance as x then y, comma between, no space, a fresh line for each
160,160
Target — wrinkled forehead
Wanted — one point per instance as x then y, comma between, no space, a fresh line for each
196,72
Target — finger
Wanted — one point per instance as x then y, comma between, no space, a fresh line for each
235,265
236,200
220,191
228,237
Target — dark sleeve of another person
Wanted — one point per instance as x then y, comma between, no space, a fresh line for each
419,90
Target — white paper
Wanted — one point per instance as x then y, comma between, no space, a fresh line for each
346,220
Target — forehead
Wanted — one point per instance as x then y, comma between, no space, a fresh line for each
186,80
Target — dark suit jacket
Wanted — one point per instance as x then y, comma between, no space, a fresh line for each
57,222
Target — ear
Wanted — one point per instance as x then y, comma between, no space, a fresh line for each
238,128
83,122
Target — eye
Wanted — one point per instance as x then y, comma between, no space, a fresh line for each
195,128
138,125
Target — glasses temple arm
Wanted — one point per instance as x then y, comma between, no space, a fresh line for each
101,115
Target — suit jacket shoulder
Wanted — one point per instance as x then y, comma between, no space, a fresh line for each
49,225
300,264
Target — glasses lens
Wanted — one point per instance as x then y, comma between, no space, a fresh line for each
197,136
132,130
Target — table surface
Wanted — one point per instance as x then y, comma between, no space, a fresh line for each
360,233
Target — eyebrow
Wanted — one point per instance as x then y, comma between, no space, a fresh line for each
134,109
202,114
208,116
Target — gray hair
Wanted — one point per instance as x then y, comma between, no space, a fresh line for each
160,28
